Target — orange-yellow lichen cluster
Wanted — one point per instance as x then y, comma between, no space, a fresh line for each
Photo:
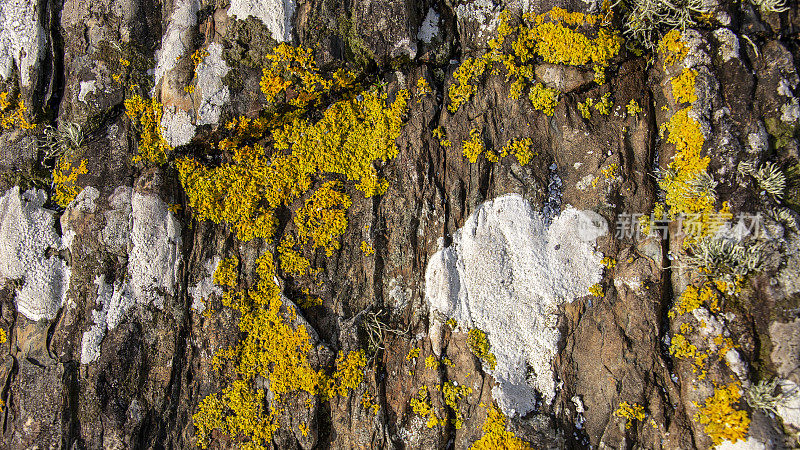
11,117
630,412
688,187
65,179
722,421
556,37
273,162
495,436
273,348
145,114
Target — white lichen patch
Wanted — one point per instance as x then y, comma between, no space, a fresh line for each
484,12
27,235
214,95
176,126
750,444
205,287
114,301
275,14
789,407
785,339
504,274
174,43
430,27
22,38
154,259
86,88
117,230
728,44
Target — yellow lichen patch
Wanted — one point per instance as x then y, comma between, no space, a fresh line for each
431,362
722,421
421,405
597,290
323,218
368,402
687,193
413,353
604,105
473,147
521,148
584,108
439,134
466,76
495,435
692,298
3,336
227,273
683,86
292,261
13,117
65,179
557,37
630,412
609,262
452,393
348,140
423,89
198,56
544,99
367,249
294,71
145,114
558,41
633,107
274,349
479,346
672,48
680,347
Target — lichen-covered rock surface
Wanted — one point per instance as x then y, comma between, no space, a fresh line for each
394,224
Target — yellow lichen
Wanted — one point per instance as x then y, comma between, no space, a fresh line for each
3,336
597,290
633,107
275,349
683,86
722,421
367,249
584,108
474,146
521,148
11,117
145,115
423,89
452,393
226,273
292,261
609,262
323,218
421,405
630,412
672,48
413,353
557,37
479,345
604,105
692,298
544,99
439,134
495,435
65,179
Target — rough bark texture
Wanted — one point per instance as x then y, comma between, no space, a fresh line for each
154,367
